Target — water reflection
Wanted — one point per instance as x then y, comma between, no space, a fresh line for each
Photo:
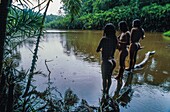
76,65
166,85
153,64
123,93
83,44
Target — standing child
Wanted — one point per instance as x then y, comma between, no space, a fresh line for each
137,33
124,41
107,46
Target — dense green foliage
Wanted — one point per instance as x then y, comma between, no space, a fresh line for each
94,14
167,33
50,18
26,25
18,94
72,7
156,17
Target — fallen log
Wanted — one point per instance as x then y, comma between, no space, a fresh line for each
141,64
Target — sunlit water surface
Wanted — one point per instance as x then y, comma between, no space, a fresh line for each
74,64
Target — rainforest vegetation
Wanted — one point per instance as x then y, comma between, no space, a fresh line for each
167,33
19,24
94,14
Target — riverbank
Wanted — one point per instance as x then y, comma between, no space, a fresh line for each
74,64
154,17
167,33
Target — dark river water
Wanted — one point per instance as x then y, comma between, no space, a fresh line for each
74,64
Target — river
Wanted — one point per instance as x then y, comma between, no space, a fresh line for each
74,64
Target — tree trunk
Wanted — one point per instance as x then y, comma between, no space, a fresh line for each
3,96
3,20
10,98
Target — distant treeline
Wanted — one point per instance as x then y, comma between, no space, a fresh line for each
94,14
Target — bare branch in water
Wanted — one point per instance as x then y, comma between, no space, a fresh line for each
47,66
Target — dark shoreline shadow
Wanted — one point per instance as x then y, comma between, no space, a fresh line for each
123,93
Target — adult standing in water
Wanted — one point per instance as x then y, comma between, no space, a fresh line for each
137,33
107,46
124,41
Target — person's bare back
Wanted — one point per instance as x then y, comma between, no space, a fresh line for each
136,35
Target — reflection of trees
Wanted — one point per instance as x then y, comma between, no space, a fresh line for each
81,44
22,24
152,78
154,72
166,84
151,74
66,45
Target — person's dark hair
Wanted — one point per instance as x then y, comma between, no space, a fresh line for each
136,23
109,29
123,26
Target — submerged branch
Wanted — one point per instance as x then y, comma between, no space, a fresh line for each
47,66
147,55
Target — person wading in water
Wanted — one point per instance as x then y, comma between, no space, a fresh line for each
107,46
124,41
137,33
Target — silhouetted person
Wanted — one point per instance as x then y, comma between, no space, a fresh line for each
137,33
107,46
124,41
